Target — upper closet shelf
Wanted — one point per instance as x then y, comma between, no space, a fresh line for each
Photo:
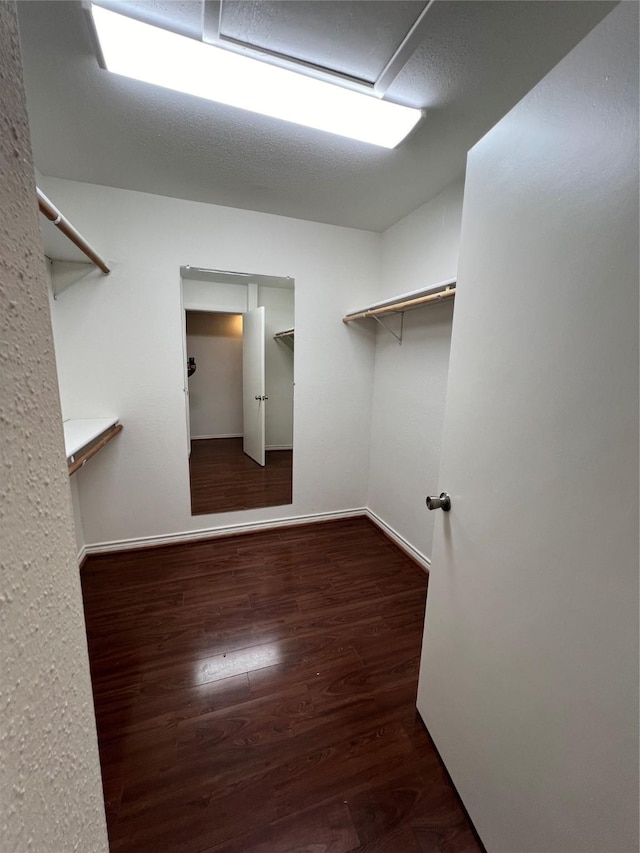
405,302
84,437
52,214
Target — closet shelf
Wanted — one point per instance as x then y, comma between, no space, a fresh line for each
84,437
51,212
287,337
406,301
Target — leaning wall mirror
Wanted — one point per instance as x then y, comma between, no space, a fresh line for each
238,347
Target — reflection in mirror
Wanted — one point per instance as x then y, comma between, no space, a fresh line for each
238,336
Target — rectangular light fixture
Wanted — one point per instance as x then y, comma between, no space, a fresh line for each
153,55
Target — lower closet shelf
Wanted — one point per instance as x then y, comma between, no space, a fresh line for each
84,437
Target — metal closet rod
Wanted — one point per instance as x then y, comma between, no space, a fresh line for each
53,215
398,307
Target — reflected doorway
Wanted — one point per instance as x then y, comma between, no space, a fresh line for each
238,387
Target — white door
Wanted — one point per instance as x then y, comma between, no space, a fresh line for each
253,384
529,670
185,356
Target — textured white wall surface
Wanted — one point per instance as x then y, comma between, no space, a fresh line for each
51,800
215,389
138,486
410,381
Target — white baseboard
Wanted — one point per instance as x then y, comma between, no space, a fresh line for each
216,532
251,527
279,447
417,556
225,435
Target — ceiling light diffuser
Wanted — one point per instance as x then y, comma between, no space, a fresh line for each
153,55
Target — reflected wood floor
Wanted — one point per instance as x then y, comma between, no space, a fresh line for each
224,479
256,694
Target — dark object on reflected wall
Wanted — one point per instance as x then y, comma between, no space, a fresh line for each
191,366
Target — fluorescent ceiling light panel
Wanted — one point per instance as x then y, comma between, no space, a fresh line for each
153,55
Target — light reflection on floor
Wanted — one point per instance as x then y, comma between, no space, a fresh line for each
236,663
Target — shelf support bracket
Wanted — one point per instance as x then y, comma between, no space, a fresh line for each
384,326
64,274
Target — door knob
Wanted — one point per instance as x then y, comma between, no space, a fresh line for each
261,397
443,502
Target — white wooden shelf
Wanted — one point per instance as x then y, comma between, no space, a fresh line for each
286,337
405,302
83,437
53,215
82,432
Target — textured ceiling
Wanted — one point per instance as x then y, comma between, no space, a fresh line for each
352,38
475,61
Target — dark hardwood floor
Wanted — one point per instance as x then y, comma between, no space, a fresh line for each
224,479
256,694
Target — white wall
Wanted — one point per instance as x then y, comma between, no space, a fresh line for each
138,486
411,380
49,770
215,389
279,357
213,296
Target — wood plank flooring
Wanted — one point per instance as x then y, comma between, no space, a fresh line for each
256,694
224,479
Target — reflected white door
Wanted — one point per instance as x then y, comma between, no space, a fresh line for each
187,403
253,384
529,670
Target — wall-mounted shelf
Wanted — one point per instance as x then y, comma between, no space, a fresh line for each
51,212
84,437
287,336
405,302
